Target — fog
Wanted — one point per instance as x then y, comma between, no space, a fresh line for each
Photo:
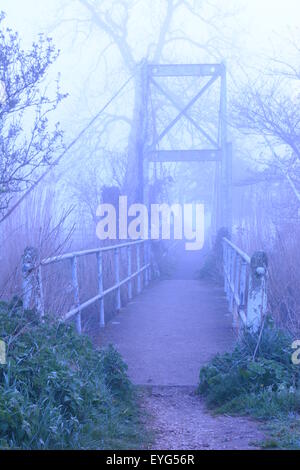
149,200
102,48
259,29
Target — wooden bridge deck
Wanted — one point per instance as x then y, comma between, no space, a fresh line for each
170,330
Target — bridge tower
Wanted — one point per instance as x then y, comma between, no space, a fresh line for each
209,141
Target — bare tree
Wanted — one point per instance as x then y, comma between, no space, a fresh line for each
115,21
268,109
88,188
27,141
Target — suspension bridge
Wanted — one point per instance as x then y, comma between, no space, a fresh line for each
166,329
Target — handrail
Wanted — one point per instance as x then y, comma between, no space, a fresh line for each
33,283
57,259
89,302
242,254
245,284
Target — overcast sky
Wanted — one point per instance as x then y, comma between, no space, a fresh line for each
260,29
266,22
263,16
263,23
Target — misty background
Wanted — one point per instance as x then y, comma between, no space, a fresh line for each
259,42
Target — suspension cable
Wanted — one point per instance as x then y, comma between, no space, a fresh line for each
72,143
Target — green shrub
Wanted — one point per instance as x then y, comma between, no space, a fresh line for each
266,386
58,392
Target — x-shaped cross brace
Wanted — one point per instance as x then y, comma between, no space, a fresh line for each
184,111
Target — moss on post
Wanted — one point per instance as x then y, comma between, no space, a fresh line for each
31,288
257,296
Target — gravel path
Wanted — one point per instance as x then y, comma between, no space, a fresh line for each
179,420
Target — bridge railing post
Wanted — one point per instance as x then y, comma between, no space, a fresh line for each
100,288
117,278
225,261
242,291
129,272
231,264
145,251
32,288
75,285
236,282
149,260
32,277
257,294
232,276
245,284
227,270
138,262
41,307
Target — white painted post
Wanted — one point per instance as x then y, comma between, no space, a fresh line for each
149,261
138,262
145,263
3,354
228,269
129,272
76,293
41,307
231,277
236,283
243,289
31,287
100,288
257,295
117,278
225,264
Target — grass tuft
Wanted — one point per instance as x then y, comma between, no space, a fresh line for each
266,388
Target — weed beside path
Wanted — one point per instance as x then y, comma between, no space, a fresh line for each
262,384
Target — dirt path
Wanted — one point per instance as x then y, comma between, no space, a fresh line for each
180,420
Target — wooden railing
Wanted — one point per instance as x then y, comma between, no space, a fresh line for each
33,278
245,285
